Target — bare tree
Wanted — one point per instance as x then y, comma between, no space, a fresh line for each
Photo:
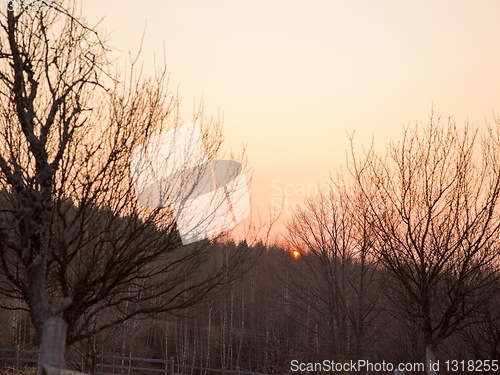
483,338
74,241
333,281
434,205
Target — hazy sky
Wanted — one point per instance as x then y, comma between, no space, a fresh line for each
294,78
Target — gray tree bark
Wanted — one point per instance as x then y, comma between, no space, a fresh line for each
53,344
430,359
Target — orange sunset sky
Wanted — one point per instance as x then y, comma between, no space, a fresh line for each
294,78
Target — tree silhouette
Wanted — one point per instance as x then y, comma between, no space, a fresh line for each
74,241
434,207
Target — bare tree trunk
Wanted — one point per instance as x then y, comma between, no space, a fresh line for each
53,344
166,346
209,335
429,359
242,327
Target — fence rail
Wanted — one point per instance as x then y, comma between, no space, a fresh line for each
28,359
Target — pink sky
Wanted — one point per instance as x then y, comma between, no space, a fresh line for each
294,78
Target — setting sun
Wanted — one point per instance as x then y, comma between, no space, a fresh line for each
296,254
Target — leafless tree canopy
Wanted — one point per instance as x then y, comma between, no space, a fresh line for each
335,282
73,239
434,206
418,226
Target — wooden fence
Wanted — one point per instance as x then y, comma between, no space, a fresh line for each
12,359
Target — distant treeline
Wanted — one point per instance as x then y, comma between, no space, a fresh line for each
285,307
